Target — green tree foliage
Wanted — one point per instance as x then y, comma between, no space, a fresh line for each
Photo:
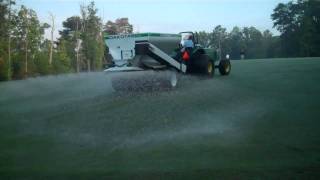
70,35
3,70
91,35
299,24
81,46
253,42
5,41
62,62
219,38
41,63
27,35
120,26
236,43
204,38
29,51
248,41
270,45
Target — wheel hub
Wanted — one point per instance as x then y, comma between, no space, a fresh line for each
227,67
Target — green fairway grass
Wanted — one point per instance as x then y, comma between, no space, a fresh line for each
261,122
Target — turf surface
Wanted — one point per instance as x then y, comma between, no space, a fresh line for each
261,122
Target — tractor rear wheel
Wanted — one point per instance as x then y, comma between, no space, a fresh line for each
210,69
207,66
225,67
203,65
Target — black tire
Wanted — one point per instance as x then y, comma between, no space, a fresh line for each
207,66
225,67
203,65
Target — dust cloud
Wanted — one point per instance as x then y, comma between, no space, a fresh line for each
85,109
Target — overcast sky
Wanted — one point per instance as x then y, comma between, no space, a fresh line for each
167,16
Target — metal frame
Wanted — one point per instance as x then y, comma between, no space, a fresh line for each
152,48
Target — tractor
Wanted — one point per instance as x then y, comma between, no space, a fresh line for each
164,56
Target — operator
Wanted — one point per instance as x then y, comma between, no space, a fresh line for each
187,42
187,46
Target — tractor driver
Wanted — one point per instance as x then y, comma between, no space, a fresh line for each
187,45
187,41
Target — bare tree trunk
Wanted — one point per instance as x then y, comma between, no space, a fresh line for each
26,55
52,18
9,43
78,65
84,18
9,57
89,65
78,48
26,44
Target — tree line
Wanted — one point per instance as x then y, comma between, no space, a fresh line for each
25,52
299,25
242,43
297,21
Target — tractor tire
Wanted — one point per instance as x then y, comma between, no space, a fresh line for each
207,66
225,67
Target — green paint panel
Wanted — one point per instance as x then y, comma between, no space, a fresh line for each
211,53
